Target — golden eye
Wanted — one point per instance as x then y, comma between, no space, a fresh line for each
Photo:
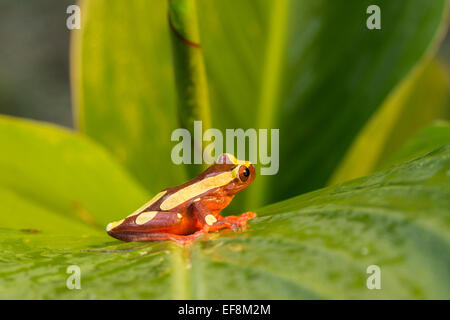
244,173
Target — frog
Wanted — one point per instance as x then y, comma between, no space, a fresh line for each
185,212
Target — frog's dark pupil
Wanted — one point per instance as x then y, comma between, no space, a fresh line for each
246,172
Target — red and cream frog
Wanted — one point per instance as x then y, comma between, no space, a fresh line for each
187,211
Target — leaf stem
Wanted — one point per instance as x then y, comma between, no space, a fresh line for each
190,74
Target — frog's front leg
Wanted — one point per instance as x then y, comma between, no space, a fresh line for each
233,222
211,222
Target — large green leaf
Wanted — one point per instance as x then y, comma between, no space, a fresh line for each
421,99
317,245
63,172
426,140
21,213
123,79
310,68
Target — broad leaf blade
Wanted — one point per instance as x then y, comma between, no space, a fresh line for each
317,245
123,79
334,74
426,140
65,173
421,99
20,213
35,266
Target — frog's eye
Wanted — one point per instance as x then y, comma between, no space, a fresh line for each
244,173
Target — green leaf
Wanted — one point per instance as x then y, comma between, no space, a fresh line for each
63,172
317,245
190,75
310,68
333,74
421,99
426,140
20,213
123,81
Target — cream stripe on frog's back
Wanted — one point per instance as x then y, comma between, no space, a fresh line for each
145,217
148,204
114,224
195,189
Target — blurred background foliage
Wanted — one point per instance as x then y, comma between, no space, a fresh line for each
34,83
35,59
34,64
294,65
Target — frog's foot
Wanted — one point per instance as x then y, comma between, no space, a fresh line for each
187,239
240,221
234,222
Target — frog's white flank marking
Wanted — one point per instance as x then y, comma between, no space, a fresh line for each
179,215
196,189
210,219
145,217
114,224
148,204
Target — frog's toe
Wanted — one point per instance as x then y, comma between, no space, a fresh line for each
248,215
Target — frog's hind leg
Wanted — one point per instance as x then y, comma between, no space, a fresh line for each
158,236
151,222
